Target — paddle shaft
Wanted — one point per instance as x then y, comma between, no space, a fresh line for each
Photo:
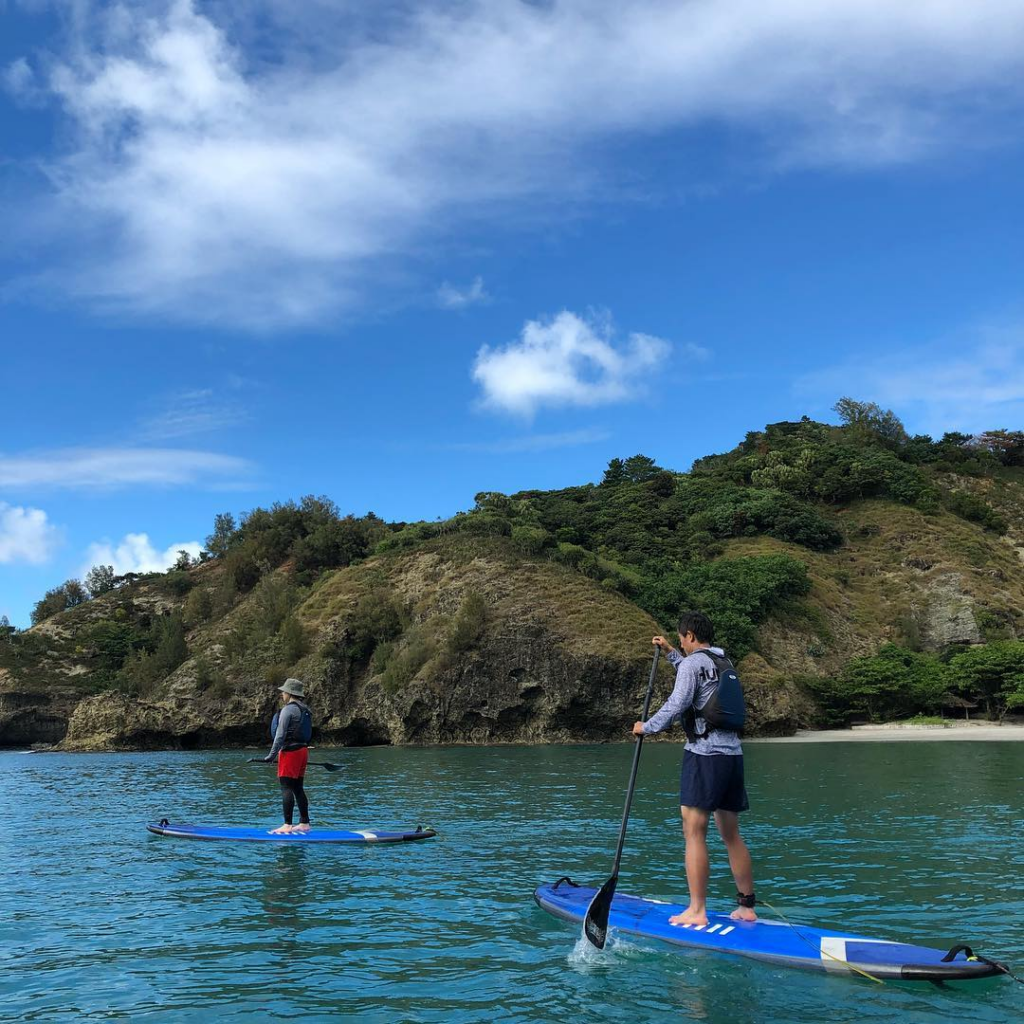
319,764
636,765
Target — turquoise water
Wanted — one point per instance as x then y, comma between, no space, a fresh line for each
99,919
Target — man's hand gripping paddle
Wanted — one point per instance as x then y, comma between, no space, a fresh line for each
595,925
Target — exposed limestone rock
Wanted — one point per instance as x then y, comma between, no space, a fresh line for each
949,617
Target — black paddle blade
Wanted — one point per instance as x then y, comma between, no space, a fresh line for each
327,764
595,924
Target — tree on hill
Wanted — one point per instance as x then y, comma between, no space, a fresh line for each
100,579
615,474
1006,445
69,594
992,673
223,531
867,419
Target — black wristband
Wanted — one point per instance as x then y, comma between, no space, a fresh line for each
746,900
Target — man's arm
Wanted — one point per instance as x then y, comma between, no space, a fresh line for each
287,713
680,698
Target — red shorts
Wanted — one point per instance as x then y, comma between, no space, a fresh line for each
291,764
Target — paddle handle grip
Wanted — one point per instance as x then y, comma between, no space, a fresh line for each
636,764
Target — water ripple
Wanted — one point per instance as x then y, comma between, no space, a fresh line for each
100,920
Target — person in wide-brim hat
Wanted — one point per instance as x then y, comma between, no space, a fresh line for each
291,748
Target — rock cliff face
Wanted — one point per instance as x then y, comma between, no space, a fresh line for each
28,717
532,673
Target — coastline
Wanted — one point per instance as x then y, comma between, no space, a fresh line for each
976,732
979,731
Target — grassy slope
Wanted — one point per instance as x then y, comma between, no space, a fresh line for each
881,584
433,580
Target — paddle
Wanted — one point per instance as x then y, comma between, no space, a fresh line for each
320,764
595,925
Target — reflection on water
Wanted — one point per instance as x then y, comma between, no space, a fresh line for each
99,919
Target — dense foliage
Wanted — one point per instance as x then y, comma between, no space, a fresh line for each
869,456
311,532
897,682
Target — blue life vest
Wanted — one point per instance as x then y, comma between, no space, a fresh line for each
299,734
725,708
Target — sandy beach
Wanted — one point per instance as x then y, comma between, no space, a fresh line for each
972,731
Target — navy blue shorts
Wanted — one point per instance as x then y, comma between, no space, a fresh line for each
713,782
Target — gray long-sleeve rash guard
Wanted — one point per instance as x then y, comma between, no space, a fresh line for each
695,682
291,712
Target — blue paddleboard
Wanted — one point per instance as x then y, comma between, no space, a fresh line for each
318,835
775,941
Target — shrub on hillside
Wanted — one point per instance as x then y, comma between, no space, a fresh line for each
375,619
114,642
974,509
737,594
468,624
177,582
199,607
529,540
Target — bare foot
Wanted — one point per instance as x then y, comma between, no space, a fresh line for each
690,916
303,828
743,914
284,830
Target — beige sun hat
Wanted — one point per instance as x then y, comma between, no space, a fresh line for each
293,686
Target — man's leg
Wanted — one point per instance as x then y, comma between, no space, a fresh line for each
728,823
303,802
695,830
287,804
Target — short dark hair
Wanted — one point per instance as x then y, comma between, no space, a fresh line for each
698,624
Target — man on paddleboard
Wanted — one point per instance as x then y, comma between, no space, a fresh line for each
712,772
291,748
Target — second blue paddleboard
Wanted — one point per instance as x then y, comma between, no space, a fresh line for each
261,835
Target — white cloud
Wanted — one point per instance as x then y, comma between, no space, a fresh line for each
256,169
26,535
120,467
451,297
565,361
533,442
971,383
135,553
17,77
198,411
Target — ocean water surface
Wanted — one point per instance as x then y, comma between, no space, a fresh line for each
100,920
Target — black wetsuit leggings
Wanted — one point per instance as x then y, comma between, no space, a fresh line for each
292,792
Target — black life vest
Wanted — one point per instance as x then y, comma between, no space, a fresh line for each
299,733
725,708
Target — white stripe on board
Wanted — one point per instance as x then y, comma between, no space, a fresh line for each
366,835
725,931
833,949
714,928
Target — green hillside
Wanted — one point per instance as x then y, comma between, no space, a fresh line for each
854,573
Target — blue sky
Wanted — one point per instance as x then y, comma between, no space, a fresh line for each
400,253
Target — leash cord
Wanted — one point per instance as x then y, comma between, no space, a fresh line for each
817,947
